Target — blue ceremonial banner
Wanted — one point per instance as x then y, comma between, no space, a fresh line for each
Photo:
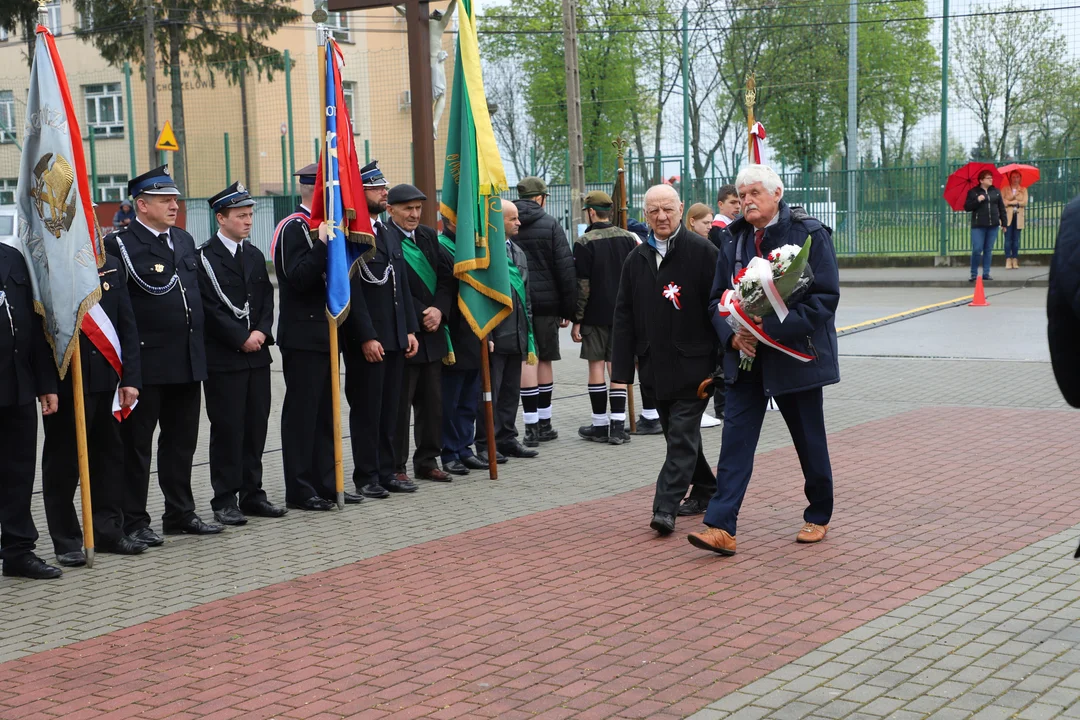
56,218
339,203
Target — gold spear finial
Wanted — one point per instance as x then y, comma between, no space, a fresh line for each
618,143
751,91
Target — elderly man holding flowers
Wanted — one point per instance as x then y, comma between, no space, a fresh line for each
787,352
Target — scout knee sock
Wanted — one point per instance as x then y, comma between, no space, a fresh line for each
598,400
543,407
528,404
618,405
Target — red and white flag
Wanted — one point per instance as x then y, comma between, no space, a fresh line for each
757,136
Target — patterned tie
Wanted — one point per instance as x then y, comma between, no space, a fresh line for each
759,235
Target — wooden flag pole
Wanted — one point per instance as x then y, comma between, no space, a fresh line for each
622,217
84,458
750,98
489,418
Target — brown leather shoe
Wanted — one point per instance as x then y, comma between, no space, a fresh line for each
715,539
434,474
812,533
401,477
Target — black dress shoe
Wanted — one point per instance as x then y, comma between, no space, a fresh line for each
30,566
194,526
312,503
123,545
352,498
263,508
693,506
455,467
397,485
228,516
499,458
473,463
517,450
374,490
147,537
663,523
76,558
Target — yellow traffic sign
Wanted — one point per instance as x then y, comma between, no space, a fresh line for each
167,139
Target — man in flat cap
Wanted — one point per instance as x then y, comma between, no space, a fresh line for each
599,255
377,336
163,282
303,337
553,287
238,300
434,292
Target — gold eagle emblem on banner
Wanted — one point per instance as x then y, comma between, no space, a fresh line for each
54,187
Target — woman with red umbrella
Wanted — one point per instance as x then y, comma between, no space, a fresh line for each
987,214
1015,180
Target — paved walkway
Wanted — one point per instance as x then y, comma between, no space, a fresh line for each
545,595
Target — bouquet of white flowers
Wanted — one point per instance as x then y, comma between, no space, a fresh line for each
766,285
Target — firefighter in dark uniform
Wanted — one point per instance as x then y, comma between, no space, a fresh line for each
27,370
434,289
102,386
238,301
377,336
163,282
303,337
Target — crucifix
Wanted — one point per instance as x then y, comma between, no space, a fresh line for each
416,17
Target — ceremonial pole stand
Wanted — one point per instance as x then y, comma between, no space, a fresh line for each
489,419
84,458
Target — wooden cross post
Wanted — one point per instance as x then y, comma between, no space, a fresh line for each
416,20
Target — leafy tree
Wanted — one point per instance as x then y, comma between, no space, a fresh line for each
1001,61
200,35
21,14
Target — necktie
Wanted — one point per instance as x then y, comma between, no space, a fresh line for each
759,235
164,238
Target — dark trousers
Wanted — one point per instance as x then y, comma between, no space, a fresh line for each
18,445
805,418
307,426
176,408
685,463
60,472
373,390
422,394
505,395
460,395
238,407
719,397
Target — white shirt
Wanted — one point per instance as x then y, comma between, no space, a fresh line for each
403,232
230,245
155,233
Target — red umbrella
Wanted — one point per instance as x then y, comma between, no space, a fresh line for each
967,177
1029,175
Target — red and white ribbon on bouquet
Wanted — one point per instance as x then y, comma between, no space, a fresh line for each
731,307
769,286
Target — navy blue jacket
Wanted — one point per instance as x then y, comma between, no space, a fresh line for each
242,279
381,312
809,327
27,367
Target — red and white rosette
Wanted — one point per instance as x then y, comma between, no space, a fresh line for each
731,307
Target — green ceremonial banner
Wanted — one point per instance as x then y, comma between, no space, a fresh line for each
472,180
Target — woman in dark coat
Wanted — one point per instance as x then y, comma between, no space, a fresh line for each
987,214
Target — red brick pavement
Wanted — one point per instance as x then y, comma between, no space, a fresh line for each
581,611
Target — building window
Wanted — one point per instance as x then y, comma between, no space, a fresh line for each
7,116
348,88
111,188
7,190
338,25
104,109
52,18
86,18
3,34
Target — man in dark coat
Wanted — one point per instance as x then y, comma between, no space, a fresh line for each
767,224
377,336
27,370
59,457
1063,305
239,303
303,337
163,282
433,287
661,318
553,286
599,255
510,341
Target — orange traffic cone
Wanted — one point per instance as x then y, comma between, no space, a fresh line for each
980,294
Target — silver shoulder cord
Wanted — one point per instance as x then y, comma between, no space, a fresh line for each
244,314
153,289
4,302
369,277
307,236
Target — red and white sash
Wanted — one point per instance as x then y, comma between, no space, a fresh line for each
281,226
99,328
